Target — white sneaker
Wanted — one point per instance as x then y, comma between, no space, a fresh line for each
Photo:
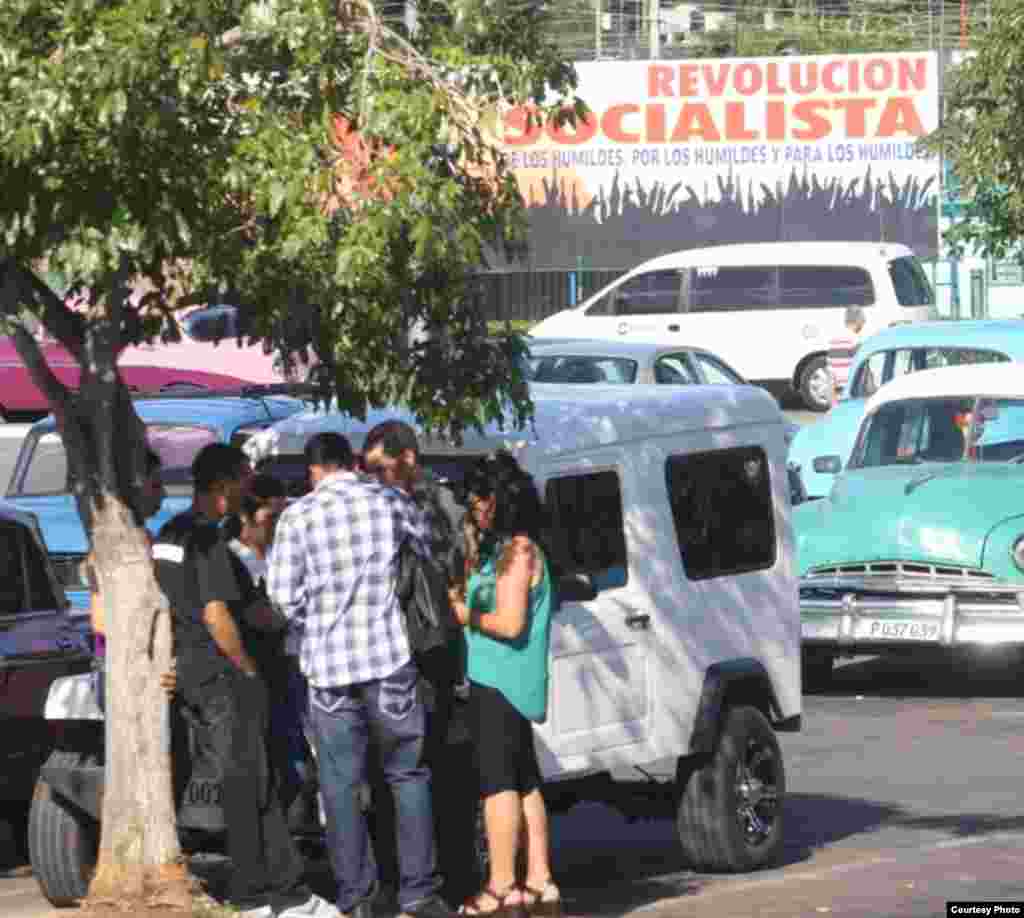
313,907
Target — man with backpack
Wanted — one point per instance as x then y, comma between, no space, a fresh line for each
391,454
333,569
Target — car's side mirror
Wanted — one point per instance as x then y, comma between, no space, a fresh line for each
827,465
576,588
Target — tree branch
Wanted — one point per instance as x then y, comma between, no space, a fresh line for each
32,356
22,287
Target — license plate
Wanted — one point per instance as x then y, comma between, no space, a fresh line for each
904,631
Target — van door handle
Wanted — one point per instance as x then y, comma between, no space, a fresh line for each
673,328
638,622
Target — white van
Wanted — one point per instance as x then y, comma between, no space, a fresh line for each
671,506
768,309
675,652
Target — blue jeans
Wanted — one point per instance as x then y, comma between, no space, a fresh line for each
289,715
390,716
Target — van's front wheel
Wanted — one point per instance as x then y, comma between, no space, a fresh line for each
815,384
729,817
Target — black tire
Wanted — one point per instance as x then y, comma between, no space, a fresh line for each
63,842
815,384
816,670
729,815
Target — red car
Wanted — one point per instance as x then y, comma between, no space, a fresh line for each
20,397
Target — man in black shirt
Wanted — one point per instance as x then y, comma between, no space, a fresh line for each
221,686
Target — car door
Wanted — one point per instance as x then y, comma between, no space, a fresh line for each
643,305
600,684
38,643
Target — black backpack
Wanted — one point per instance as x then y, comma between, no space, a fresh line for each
422,590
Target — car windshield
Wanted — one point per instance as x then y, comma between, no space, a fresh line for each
571,368
971,429
176,444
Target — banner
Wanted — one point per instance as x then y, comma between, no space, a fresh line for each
680,154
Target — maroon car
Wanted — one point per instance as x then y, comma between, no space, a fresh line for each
19,397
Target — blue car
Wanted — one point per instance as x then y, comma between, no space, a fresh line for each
176,427
892,353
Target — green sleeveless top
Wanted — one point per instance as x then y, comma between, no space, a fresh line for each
518,668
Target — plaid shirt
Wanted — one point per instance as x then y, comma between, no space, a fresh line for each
333,569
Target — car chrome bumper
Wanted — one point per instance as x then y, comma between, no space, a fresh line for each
853,620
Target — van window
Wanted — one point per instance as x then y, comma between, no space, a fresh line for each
723,511
824,286
587,534
910,282
729,289
650,293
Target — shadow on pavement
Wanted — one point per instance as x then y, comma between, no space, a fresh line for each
936,674
814,821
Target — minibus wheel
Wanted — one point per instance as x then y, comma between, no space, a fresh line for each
815,385
729,815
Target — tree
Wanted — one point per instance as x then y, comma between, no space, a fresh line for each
982,140
335,174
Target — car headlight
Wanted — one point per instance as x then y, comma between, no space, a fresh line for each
1018,553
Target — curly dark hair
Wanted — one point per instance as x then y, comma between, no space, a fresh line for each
519,509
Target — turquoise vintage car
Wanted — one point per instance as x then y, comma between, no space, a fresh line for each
177,427
889,355
920,542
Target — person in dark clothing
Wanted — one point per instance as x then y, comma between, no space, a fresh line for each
275,651
220,686
391,455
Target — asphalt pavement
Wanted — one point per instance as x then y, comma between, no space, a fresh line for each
904,792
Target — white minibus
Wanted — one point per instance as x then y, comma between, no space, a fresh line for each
768,309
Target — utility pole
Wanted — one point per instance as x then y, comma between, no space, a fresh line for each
654,32
597,29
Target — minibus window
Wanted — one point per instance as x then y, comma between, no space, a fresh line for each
823,286
910,282
714,289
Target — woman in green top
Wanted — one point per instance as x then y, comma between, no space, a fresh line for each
506,611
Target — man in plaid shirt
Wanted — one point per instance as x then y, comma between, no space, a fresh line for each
333,569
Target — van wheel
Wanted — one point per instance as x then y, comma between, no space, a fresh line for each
63,842
729,816
816,670
815,385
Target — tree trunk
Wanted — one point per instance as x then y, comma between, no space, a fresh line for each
140,859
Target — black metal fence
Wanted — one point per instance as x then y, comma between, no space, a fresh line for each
533,295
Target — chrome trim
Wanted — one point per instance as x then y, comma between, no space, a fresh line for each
903,577
900,569
995,617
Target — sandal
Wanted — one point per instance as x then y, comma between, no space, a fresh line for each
471,907
545,902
